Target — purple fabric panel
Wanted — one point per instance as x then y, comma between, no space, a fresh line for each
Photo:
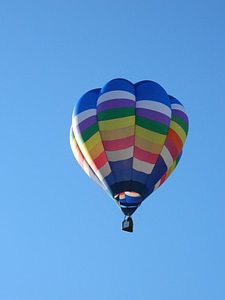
87,123
115,103
153,115
180,114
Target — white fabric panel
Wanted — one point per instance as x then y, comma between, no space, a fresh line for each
83,116
178,107
120,154
115,95
142,166
167,157
154,105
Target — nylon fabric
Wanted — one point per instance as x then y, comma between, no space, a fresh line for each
128,137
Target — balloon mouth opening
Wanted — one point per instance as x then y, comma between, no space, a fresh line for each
128,201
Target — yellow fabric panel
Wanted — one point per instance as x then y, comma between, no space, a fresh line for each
150,135
114,134
92,142
96,151
116,123
147,145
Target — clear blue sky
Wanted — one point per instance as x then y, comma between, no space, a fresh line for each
60,235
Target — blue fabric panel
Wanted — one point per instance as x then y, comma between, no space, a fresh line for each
122,176
121,170
174,100
139,176
150,90
158,171
87,101
118,84
121,165
110,179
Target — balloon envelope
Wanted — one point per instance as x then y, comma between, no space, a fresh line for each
128,138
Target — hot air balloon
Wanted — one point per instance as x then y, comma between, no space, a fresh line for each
128,138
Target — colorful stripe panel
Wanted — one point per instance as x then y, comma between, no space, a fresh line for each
116,114
83,163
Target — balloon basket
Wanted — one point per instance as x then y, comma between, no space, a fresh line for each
127,224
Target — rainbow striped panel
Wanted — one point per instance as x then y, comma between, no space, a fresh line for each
116,121
87,135
83,163
177,133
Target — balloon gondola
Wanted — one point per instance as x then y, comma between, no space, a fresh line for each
128,138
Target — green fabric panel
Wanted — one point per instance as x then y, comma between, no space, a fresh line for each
116,113
151,125
89,132
181,122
